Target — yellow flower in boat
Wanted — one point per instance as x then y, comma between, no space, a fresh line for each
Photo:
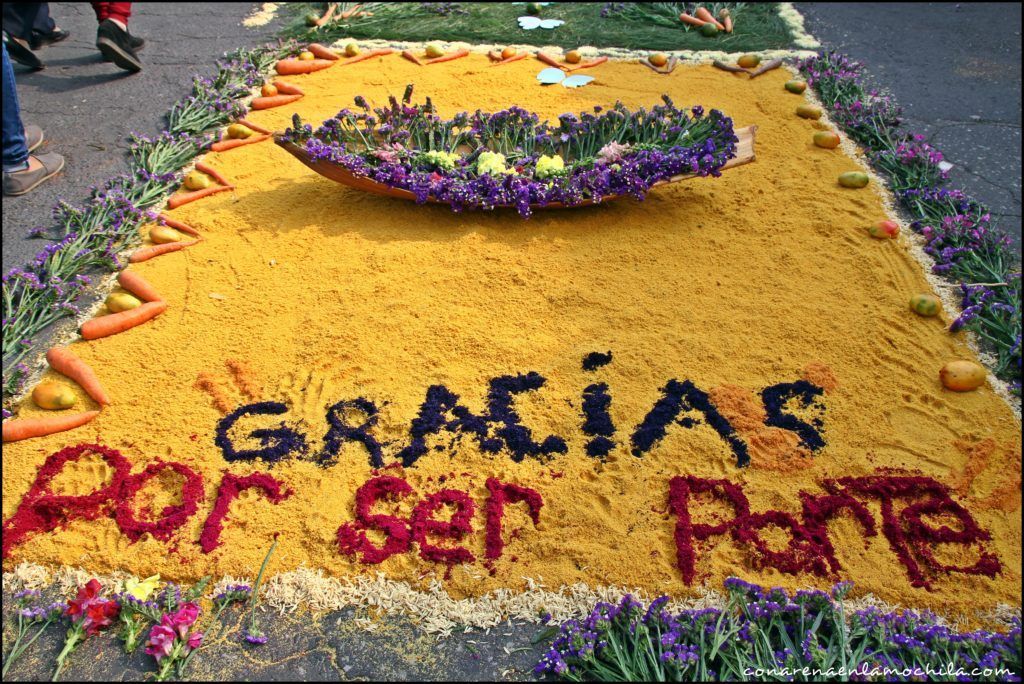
444,160
141,589
491,162
550,166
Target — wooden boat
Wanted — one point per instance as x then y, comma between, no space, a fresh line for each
338,174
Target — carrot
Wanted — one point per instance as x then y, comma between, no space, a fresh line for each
513,58
287,88
708,18
692,21
322,52
350,12
726,19
255,127
212,173
147,253
411,57
767,66
366,55
178,225
494,56
331,7
180,198
138,286
274,101
586,65
111,324
66,363
26,428
449,57
729,67
291,66
550,60
232,143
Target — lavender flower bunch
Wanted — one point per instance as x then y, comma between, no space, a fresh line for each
510,158
29,611
762,628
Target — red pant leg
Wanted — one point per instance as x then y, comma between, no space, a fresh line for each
112,10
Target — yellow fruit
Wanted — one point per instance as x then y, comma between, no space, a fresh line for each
508,52
962,376
826,139
658,59
351,50
573,56
796,87
121,301
268,90
307,56
748,61
434,50
808,111
162,234
925,304
884,230
239,131
853,179
196,180
53,396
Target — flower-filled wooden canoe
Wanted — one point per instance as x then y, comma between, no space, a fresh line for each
512,159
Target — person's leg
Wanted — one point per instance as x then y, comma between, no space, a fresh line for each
112,37
19,18
101,9
15,153
119,12
43,22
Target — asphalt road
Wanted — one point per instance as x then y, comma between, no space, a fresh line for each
956,70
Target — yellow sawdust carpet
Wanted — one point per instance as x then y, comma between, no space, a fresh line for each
307,293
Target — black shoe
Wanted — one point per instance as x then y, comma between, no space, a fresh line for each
115,45
21,54
40,40
136,43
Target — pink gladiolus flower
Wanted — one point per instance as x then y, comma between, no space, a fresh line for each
195,640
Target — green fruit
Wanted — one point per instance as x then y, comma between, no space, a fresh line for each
925,304
807,111
533,8
797,87
312,19
853,179
826,139
748,61
709,30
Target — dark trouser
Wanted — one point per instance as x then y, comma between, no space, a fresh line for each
22,18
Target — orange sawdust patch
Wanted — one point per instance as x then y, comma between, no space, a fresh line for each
308,294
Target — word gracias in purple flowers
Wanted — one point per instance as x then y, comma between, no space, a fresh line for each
794,406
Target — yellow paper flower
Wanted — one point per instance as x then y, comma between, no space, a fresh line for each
550,166
491,162
141,589
444,160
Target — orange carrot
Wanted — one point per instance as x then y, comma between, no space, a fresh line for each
212,172
693,21
411,57
367,55
255,127
273,101
354,11
513,58
708,18
449,57
232,143
291,66
147,253
726,20
328,14
178,225
550,60
138,286
180,198
66,363
322,52
111,324
586,65
287,88
26,428
494,56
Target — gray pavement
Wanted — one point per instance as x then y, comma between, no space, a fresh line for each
956,70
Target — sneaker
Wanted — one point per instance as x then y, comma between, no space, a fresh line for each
40,40
19,51
136,43
19,182
33,136
115,45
